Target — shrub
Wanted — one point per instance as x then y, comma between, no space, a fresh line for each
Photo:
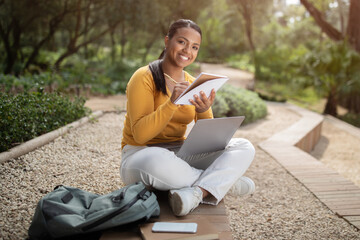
27,115
232,101
241,61
334,70
28,82
120,72
101,78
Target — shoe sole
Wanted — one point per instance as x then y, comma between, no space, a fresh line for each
251,185
176,204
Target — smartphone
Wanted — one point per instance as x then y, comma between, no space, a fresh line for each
174,227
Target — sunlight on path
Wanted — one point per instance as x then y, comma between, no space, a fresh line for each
237,77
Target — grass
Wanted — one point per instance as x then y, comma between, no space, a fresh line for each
306,98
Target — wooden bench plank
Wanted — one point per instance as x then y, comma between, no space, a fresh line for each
352,218
356,224
317,181
336,202
214,214
348,212
338,192
339,188
344,206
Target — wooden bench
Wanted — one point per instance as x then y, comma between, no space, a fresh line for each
216,215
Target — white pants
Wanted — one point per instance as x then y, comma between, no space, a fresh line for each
161,169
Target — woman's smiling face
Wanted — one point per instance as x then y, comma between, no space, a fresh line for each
183,47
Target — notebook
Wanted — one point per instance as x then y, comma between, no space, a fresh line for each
207,135
204,82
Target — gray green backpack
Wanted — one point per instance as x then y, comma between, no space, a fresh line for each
68,211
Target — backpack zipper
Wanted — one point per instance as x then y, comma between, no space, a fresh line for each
117,212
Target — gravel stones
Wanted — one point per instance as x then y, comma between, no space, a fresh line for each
89,158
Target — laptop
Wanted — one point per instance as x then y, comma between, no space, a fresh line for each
207,135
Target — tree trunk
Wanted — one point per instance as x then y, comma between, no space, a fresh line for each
332,32
113,46
352,99
123,40
74,49
331,104
341,16
13,49
86,27
148,47
53,27
245,7
353,29
62,57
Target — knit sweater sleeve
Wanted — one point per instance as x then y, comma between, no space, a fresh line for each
205,115
146,123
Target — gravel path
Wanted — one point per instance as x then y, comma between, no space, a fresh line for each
237,78
89,158
281,207
340,151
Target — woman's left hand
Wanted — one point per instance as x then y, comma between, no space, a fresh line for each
203,102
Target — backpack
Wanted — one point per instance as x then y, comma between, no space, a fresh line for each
68,211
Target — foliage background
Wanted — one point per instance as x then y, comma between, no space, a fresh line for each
298,53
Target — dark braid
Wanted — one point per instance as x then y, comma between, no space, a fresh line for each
158,75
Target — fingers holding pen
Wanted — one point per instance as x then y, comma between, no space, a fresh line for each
179,88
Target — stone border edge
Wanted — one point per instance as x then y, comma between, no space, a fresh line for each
41,140
355,131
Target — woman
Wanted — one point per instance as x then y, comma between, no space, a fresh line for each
152,118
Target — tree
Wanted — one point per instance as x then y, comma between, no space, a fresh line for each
245,7
353,29
94,28
350,99
32,24
21,26
252,11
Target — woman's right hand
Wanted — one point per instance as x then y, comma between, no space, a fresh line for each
179,88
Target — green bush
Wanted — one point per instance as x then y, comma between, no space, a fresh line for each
278,64
102,78
241,61
232,101
334,70
28,82
27,115
120,73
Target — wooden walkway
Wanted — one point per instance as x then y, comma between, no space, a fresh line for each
290,148
214,215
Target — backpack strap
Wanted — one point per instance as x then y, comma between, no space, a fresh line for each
100,221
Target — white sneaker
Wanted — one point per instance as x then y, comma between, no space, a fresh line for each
243,186
184,200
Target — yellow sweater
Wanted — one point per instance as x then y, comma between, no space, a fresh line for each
151,117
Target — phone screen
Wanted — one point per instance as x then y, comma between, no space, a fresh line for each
174,227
